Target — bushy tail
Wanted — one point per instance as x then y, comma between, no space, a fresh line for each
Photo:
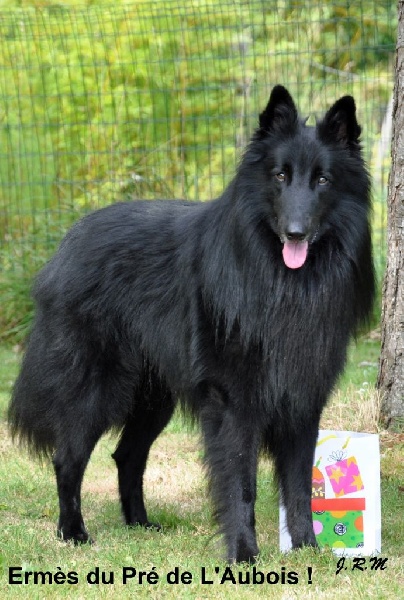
28,414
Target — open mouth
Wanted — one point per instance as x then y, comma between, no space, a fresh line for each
295,253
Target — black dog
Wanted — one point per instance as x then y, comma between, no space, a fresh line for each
241,309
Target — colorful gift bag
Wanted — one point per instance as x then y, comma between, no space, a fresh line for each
345,494
344,476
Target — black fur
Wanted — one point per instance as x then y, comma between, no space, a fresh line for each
147,303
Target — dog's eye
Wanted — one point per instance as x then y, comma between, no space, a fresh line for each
322,180
281,176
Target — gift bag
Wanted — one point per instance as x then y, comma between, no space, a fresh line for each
345,494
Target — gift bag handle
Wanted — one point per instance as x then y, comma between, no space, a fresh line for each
333,436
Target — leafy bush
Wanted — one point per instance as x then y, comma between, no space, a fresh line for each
138,99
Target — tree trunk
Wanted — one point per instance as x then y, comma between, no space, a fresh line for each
391,367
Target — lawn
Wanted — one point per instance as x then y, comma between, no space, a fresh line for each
186,560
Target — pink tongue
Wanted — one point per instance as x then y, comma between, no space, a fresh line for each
295,254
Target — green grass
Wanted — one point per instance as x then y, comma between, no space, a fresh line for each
177,497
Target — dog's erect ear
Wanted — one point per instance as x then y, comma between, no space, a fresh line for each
280,113
339,123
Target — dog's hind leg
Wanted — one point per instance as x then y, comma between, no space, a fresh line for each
142,427
87,411
70,460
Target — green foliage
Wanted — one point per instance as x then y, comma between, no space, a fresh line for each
134,99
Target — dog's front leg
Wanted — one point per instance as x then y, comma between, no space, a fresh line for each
231,447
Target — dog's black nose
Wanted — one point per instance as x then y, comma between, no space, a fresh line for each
294,234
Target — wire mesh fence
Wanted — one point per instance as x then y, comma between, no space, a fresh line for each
149,99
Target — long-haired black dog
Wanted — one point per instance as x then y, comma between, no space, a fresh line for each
241,309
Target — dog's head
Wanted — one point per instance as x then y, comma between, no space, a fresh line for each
303,172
